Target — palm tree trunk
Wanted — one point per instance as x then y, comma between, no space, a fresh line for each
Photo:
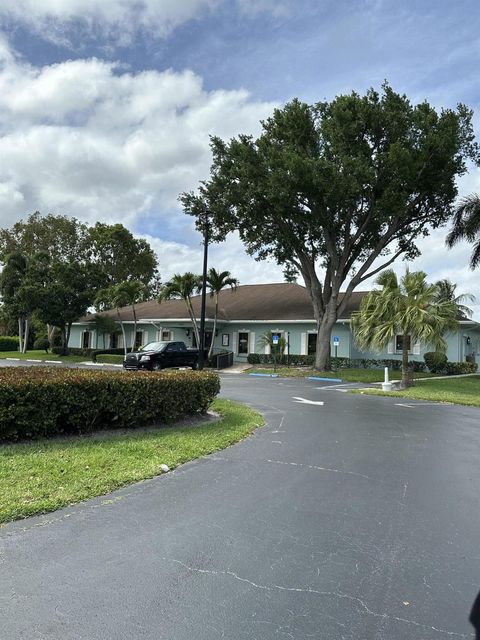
194,323
20,334
210,351
25,336
134,328
125,348
405,378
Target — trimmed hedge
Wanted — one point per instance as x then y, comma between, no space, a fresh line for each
340,363
9,343
41,344
109,358
73,351
458,368
100,352
40,402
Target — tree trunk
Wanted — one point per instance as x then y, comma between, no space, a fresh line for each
20,335
134,328
25,335
324,333
64,340
51,334
194,323
210,351
405,378
68,330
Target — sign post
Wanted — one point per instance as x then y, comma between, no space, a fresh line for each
274,351
336,342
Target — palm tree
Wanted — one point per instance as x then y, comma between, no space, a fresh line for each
410,307
446,292
216,281
183,287
277,348
466,226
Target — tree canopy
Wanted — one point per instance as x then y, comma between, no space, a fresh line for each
466,226
336,191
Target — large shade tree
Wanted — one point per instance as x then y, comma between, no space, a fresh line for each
336,191
410,307
216,282
466,226
183,286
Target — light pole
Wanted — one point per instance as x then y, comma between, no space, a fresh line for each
201,355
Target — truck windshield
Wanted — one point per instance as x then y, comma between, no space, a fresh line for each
154,346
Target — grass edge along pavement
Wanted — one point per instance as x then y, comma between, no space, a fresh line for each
45,475
464,390
346,375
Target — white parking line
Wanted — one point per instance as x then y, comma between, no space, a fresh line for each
305,401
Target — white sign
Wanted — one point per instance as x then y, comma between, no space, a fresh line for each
336,341
275,340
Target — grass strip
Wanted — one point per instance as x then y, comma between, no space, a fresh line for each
464,391
42,476
347,375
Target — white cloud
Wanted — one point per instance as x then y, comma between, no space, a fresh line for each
88,139
176,257
62,21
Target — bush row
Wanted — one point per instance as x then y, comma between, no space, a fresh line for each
340,363
41,402
9,343
109,358
437,362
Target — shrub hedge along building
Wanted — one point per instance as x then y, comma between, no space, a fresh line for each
250,311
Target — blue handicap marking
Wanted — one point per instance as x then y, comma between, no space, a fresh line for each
275,339
336,341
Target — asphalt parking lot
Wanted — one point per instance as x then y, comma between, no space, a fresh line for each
346,516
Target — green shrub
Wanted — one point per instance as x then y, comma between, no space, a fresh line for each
459,368
436,361
41,344
99,352
253,358
40,401
73,351
109,358
9,343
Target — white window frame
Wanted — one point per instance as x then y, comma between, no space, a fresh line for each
84,331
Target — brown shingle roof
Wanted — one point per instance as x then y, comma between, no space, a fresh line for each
280,301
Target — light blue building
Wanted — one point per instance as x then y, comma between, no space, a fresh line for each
247,313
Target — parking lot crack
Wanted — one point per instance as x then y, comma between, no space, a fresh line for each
361,604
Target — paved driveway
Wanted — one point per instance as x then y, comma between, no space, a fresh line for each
355,519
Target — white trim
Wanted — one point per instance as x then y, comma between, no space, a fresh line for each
234,342
221,321
303,343
251,347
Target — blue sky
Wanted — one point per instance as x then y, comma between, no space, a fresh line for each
107,106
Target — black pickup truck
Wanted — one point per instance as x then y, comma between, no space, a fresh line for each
155,356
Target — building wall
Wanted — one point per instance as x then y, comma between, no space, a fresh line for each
460,344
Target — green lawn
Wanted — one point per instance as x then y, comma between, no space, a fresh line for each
110,358
347,375
456,390
42,476
41,355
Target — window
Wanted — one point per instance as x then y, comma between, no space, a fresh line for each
86,340
138,339
399,343
312,344
243,342
225,340
113,340
166,335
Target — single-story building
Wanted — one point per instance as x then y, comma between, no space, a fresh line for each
247,313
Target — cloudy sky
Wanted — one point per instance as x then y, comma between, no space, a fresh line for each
106,106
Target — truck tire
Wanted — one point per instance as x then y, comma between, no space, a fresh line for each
157,366
195,366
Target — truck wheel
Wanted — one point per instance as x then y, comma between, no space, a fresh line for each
157,366
195,366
